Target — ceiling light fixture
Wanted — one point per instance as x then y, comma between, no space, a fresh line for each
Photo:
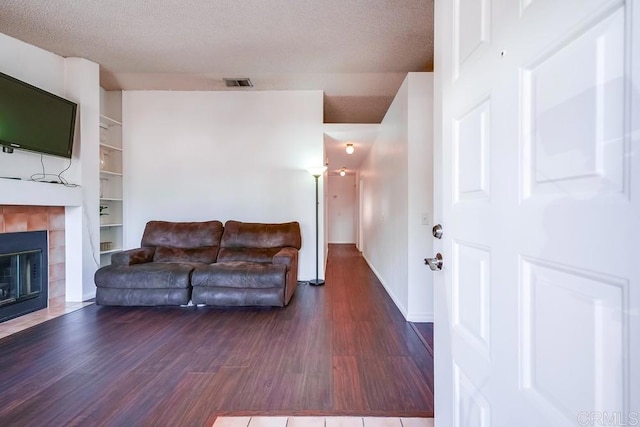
343,171
350,149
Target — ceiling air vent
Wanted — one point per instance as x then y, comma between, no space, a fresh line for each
238,82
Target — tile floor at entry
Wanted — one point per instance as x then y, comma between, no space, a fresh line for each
322,422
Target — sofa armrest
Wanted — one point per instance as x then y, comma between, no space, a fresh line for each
287,256
133,256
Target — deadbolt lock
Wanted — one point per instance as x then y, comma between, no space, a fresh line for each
437,231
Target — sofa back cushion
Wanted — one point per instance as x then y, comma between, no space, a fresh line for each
183,241
264,255
257,235
185,235
206,255
257,242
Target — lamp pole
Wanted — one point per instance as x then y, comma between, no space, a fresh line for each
316,172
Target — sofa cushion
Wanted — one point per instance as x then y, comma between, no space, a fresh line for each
255,235
205,255
143,297
182,234
240,274
153,275
247,254
238,297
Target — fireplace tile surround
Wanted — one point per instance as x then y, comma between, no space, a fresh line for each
51,218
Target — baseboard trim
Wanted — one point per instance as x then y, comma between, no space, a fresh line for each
420,317
88,296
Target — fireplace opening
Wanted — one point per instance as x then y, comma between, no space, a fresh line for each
23,273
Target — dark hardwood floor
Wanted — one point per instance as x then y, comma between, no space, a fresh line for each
339,349
425,333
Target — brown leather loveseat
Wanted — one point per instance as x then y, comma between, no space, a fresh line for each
240,264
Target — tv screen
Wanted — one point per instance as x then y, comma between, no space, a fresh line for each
35,120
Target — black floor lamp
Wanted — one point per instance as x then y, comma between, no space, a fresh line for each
317,172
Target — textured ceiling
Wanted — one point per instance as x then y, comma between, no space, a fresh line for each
358,52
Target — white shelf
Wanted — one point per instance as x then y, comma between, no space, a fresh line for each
106,172
112,251
109,120
110,225
110,147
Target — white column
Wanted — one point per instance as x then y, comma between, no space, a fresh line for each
82,260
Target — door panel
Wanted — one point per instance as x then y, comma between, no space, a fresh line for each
472,31
586,347
472,139
573,123
473,408
471,285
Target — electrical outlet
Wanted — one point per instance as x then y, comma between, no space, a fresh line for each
425,219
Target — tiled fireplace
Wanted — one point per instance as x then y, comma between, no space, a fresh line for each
49,218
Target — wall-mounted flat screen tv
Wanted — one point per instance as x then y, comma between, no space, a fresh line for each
35,120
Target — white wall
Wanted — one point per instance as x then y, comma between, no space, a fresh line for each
76,79
420,171
193,156
397,189
341,207
384,216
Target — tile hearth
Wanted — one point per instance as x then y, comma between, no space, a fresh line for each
54,310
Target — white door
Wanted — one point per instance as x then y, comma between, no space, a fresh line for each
342,202
538,191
